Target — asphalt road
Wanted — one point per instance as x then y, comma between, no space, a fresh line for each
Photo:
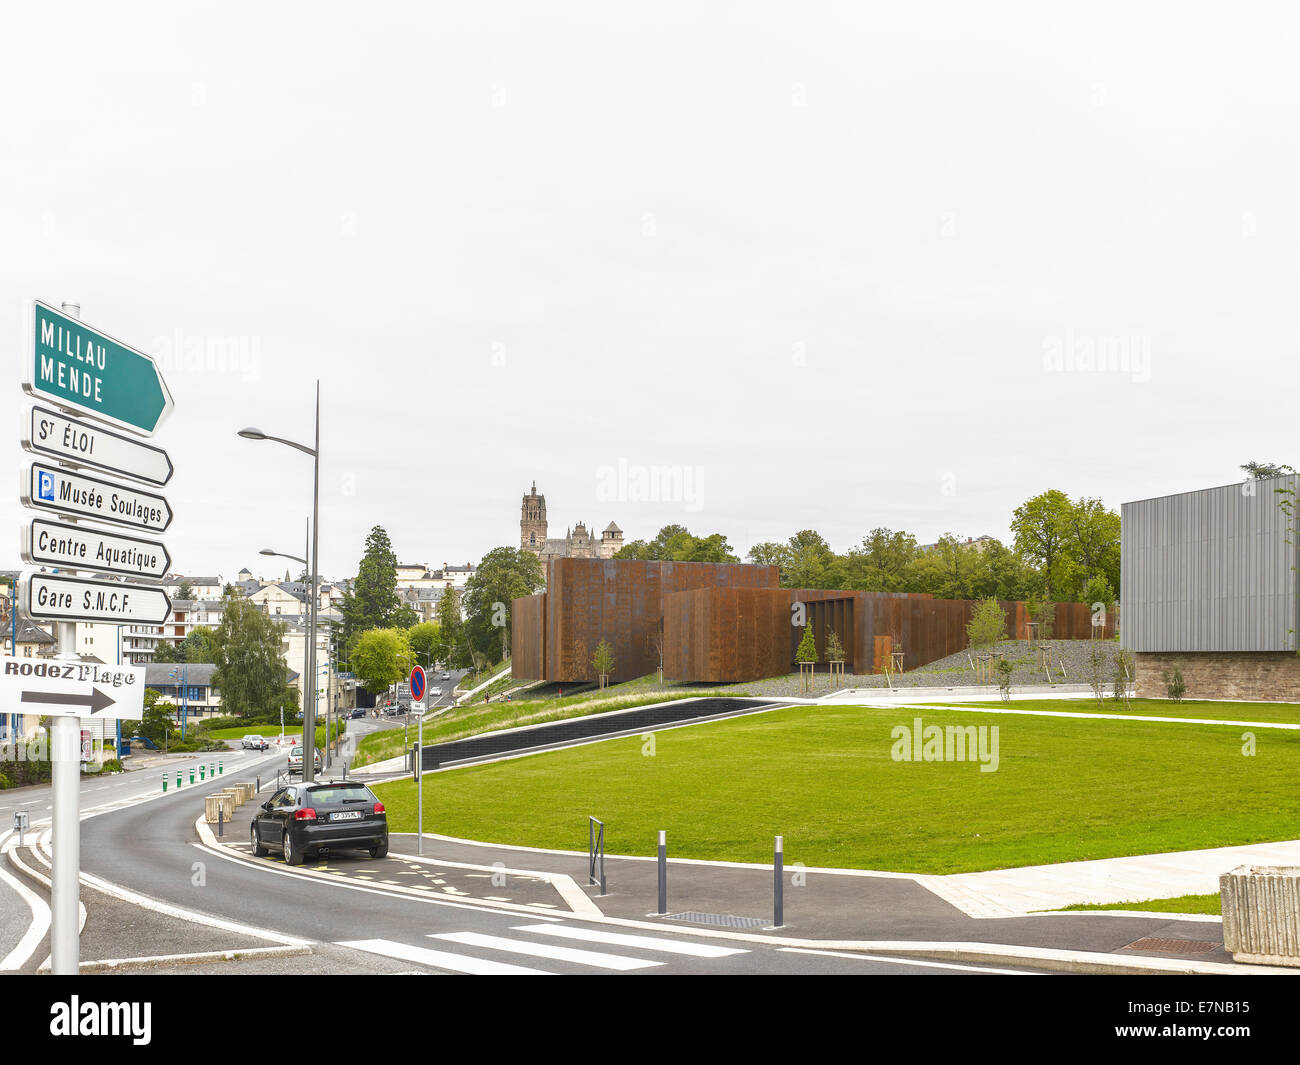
371,926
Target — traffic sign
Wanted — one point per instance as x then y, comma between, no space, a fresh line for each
72,689
79,547
68,440
67,492
76,366
418,685
59,598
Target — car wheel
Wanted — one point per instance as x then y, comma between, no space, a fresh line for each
379,850
259,851
291,856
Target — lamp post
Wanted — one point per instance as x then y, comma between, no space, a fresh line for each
309,711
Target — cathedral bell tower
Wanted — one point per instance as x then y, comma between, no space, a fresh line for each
532,522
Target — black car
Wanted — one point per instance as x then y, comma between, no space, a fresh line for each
302,820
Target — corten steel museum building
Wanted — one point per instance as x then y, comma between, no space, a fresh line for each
732,622
1210,585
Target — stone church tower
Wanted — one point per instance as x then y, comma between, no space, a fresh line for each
532,522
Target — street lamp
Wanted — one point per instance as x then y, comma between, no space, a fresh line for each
309,711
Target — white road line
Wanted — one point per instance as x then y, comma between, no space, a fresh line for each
619,939
437,959
21,954
910,961
548,950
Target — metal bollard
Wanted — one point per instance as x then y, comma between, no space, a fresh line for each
778,901
164,783
178,780
663,873
221,819
201,776
259,786
191,774
221,769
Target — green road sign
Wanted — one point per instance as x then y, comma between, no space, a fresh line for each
75,366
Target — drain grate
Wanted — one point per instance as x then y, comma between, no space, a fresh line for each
722,920
1172,946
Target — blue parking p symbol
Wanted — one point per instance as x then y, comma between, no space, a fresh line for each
45,486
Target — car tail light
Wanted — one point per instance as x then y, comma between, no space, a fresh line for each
379,808
307,814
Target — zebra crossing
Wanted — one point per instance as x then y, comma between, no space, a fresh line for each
539,950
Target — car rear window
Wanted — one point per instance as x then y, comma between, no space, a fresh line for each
327,793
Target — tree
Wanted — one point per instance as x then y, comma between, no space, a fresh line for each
674,543
248,651
988,625
166,652
807,650
185,591
1041,528
834,649
371,602
423,638
503,575
198,645
1266,469
453,648
1093,543
603,660
159,718
882,562
382,657
811,562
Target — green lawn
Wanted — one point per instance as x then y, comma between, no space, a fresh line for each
1182,904
1280,713
1066,789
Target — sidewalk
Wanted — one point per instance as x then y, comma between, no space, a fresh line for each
974,915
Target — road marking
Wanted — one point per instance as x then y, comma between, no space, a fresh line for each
910,961
437,959
26,947
548,950
619,939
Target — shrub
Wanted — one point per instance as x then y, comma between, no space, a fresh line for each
988,624
1004,679
1123,673
1175,686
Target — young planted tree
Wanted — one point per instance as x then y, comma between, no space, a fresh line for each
1004,680
987,626
806,656
1096,670
603,662
1175,685
834,649
1123,674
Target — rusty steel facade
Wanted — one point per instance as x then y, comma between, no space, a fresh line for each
726,623
619,601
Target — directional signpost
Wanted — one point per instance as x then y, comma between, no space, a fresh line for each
75,366
67,492
85,373
52,543
59,437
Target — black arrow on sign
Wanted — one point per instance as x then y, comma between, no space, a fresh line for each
97,700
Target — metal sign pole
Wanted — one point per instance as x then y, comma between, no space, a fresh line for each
65,841
419,787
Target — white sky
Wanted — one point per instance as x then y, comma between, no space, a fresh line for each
816,258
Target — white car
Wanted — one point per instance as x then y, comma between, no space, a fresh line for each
255,743
295,759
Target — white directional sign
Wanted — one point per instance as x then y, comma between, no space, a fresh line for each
38,686
61,490
59,598
69,440
78,547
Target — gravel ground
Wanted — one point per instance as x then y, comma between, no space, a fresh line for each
955,670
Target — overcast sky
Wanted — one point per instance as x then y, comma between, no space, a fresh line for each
827,265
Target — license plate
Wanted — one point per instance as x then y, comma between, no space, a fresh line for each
351,815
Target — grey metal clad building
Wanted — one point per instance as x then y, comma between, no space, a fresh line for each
1210,583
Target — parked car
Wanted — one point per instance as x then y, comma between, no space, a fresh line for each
295,759
302,820
255,743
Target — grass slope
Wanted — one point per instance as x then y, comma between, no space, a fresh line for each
1210,904
1067,789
